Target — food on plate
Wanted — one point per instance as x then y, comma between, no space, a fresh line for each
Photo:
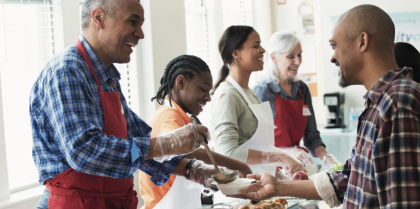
278,203
335,167
300,176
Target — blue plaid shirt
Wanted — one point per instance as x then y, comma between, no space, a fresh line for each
67,123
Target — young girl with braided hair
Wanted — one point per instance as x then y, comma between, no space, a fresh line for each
185,88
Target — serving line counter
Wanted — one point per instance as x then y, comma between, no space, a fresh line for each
293,203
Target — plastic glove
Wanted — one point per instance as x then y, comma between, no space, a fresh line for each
181,141
280,175
299,154
201,173
290,164
329,160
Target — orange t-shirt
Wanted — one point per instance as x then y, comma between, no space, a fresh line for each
165,119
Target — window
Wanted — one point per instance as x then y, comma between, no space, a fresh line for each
202,27
129,82
27,42
199,17
237,12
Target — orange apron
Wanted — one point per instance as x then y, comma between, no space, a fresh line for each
72,189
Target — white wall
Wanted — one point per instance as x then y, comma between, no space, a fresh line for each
71,21
286,18
165,39
329,8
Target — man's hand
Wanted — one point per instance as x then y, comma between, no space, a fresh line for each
266,187
181,141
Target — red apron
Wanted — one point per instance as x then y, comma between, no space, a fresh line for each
290,122
72,189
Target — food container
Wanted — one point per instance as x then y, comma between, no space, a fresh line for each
238,203
234,187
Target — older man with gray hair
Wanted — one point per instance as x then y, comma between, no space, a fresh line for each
87,143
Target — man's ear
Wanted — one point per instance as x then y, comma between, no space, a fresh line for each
180,82
363,41
98,17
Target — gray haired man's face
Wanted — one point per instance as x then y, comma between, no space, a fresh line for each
122,32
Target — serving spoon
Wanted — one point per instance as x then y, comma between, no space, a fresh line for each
221,178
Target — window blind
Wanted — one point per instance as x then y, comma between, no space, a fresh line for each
199,21
128,82
237,12
30,34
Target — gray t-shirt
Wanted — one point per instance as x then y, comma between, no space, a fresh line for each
232,121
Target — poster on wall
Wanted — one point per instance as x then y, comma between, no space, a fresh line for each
407,29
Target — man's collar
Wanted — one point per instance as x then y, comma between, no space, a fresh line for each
377,91
104,74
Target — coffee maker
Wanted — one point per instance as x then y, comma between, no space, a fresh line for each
335,115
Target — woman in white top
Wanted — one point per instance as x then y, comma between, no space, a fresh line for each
243,127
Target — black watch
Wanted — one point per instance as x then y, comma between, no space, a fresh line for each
187,170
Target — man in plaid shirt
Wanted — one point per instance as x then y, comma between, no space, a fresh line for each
383,170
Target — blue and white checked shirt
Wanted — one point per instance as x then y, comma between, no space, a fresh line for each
67,123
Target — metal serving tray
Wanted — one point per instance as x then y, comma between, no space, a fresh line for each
236,204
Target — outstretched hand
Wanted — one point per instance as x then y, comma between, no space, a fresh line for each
265,188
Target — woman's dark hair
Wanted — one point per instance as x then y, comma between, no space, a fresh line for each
233,38
187,65
407,55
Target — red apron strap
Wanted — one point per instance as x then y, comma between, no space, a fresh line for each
85,56
100,192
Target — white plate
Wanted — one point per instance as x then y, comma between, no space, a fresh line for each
234,187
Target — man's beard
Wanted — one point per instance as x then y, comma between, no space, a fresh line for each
342,79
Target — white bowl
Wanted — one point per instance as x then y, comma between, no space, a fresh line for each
235,186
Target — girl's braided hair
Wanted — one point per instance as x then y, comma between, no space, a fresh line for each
187,65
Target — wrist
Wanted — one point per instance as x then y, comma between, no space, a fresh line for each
188,168
320,152
194,170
